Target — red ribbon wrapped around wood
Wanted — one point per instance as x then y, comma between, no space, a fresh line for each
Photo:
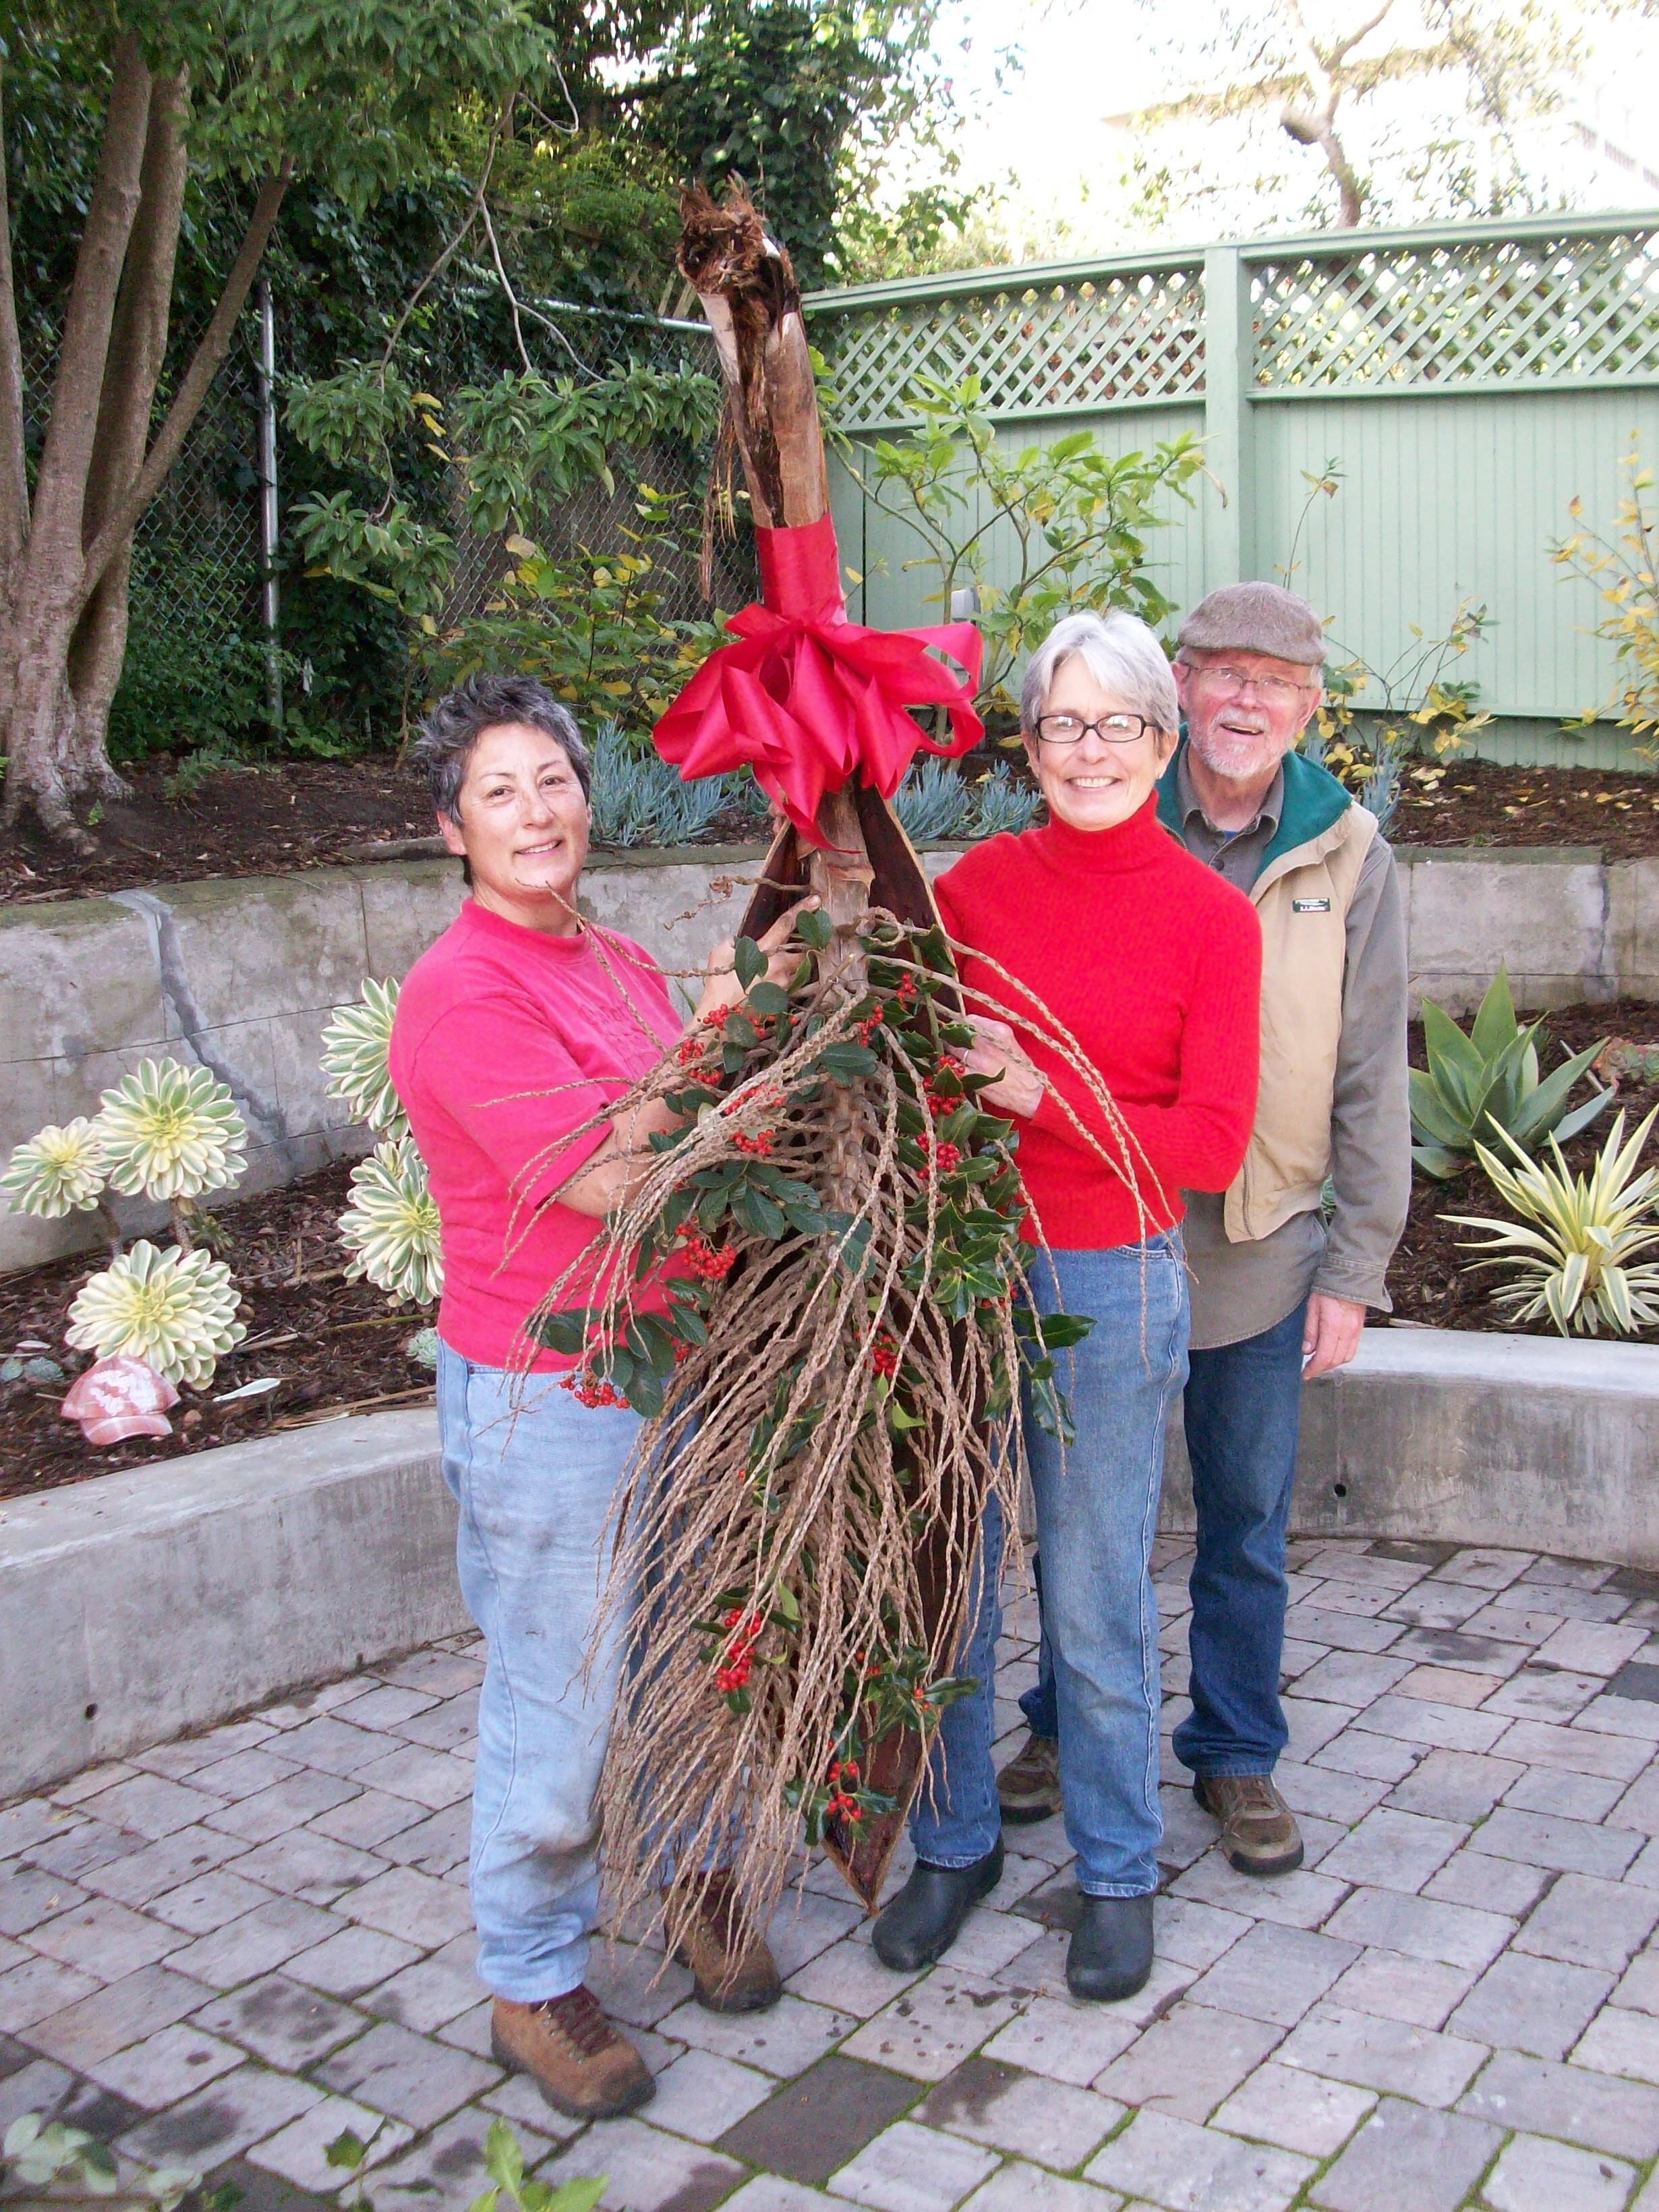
808,698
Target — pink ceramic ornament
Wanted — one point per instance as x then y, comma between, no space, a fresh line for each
120,1397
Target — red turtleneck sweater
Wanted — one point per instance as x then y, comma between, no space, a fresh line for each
1154,965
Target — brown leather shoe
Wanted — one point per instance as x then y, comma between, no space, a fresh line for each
571,2053
1259,1834
1028,1788
732,1968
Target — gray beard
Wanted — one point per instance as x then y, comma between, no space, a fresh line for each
1229,770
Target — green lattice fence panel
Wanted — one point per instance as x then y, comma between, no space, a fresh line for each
1071,345
1520,310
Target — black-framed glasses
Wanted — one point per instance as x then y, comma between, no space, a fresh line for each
1110,729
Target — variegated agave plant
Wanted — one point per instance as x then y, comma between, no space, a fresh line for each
355,1047
171,1132
1579,1250
391,1227
177,1310
57,1171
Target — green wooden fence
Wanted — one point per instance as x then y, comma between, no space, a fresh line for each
1465,382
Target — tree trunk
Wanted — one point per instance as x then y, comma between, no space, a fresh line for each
47,596
63,626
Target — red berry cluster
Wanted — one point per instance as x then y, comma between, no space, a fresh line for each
586,1392
759,1146
936,1104
883,1356
843,1780
738,1658
945,1158
712,1262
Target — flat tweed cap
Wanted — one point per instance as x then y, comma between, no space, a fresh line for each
1256,618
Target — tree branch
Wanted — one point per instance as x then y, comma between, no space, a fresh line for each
61,484
195,385
138,338
14,476
449,252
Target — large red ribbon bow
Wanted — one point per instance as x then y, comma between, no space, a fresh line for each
807,698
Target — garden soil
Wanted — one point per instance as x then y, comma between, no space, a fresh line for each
313,814
334,1344
331,1344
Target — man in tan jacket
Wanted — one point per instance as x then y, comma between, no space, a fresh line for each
1279,1285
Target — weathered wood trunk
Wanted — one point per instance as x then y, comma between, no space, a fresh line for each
749,294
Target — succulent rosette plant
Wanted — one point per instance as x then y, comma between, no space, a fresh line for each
171,1132
176,1310
355,1047
391,1226
57,1171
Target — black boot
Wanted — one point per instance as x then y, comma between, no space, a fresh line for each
1111,1951
921,1923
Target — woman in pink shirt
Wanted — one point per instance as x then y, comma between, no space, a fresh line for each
514,1033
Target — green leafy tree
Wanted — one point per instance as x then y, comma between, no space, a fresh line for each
803,100
350,93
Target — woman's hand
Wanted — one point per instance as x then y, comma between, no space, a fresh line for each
721,986
997,1051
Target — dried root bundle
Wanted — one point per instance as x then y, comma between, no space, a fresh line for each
832,1399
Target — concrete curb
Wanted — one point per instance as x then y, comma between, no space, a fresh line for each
1519,1442
136,1605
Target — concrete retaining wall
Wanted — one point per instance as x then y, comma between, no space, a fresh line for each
134,1606
243,975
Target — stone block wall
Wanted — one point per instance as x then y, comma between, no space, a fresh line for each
243,975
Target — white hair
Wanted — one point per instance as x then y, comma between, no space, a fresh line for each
1123,655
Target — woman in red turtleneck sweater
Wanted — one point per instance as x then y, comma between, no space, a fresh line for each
1151,963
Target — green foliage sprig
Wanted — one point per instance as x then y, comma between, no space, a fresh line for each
1486,1084
1076,518
1624,568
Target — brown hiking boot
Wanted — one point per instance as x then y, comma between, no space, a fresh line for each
732,1968
1259,1834
571,2052
1028,1788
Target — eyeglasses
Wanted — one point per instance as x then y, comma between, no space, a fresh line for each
1110,729
1277,691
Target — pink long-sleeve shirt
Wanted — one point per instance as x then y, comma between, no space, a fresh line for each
506,1041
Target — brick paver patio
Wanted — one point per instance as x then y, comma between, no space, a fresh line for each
226,1951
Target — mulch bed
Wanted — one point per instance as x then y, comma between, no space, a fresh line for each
1426,1280
336,1345
312,814
277,821
332,1343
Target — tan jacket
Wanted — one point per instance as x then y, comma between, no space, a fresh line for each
1302,898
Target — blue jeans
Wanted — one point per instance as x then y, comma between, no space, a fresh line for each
1097,1508
535,1475
1242,1406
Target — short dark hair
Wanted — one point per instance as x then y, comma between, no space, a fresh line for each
448,731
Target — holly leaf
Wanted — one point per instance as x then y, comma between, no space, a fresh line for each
1061,1329
748,961
814,929
846,1062
561,1332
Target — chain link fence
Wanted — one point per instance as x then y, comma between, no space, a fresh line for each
199,556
